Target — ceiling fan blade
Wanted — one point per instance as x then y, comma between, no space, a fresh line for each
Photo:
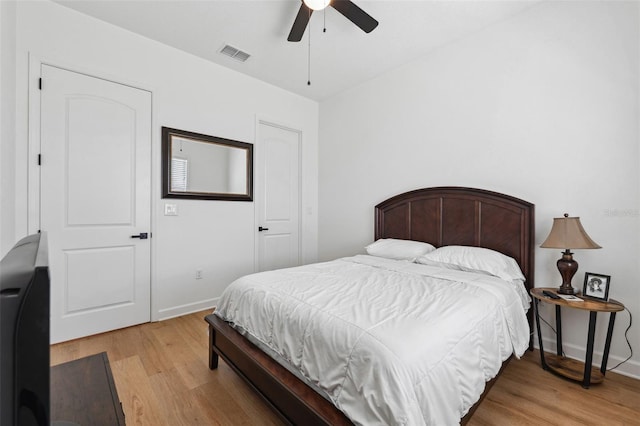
300,24
356,15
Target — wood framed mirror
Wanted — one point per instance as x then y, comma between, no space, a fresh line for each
205,167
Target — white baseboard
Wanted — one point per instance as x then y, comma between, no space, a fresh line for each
630,368
189,308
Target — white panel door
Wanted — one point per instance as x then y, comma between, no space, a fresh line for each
94,197
278,197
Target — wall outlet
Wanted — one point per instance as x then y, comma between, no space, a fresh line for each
198,274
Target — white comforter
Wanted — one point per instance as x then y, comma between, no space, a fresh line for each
388,342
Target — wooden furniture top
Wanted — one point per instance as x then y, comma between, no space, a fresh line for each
585,305
83,392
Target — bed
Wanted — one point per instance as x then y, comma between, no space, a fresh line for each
442,216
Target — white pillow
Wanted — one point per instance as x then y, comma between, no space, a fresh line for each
476,259
398,249
424,260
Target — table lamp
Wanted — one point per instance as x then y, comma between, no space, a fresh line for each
567,233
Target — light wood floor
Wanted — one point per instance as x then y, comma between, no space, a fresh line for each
162,378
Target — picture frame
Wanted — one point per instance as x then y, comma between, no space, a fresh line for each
596,286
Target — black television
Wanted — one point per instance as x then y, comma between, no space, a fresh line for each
24,334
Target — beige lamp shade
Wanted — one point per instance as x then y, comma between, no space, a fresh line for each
568,233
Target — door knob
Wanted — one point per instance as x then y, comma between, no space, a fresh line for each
142,236
260,229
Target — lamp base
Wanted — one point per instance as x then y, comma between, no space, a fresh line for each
567,267
565,290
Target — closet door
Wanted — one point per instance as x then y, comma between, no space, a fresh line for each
278,197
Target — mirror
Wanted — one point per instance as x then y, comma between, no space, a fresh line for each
205,167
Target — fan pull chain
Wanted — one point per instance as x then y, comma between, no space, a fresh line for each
309,53
324,17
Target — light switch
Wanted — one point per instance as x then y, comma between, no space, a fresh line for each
171,210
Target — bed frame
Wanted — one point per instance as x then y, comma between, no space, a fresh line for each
441,216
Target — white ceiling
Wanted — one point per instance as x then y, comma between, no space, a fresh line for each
341,58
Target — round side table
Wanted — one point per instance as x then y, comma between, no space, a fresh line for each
571,368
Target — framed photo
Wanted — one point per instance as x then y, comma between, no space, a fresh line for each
596,286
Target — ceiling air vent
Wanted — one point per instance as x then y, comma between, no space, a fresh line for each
234,53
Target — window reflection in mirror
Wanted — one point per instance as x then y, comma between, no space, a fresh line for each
206,167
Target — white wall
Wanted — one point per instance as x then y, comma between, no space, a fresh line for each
189,93
543,107
7,124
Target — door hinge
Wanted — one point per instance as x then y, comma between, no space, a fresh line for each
39,159
40,83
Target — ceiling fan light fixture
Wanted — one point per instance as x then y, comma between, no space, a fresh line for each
317,4
347,8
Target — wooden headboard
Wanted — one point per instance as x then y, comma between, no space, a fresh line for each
445,216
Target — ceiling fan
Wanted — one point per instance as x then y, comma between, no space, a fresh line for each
346,7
